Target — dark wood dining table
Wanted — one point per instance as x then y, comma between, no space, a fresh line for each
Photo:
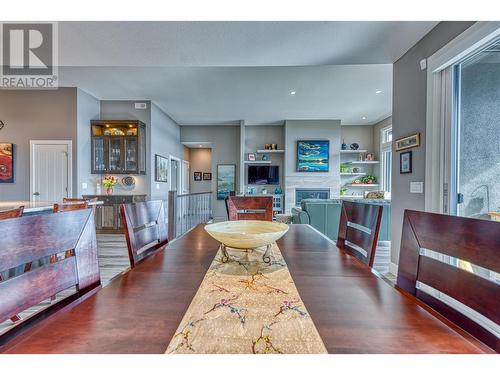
354,310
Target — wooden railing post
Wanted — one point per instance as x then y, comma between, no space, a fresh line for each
172,214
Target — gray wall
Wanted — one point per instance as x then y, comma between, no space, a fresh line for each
35,115
200,160
360,134
409,117
88,108
315,130
480,139
125,110
225,150
165,141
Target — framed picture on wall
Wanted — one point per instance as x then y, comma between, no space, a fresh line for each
197,176
207,176
408,142
161,169
226,180
313,156
6,163
405,162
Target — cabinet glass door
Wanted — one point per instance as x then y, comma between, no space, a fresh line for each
131,154
99,161
115,157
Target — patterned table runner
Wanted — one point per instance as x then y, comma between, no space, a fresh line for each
247,306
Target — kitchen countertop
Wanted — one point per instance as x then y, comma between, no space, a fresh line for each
33,206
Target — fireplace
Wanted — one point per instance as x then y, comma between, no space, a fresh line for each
310,193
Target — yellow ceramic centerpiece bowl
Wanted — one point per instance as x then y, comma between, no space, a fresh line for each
246,234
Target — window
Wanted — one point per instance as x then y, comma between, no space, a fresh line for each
386,158
475,158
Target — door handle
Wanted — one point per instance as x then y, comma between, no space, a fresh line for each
36,193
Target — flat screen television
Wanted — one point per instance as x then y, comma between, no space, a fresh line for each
263,175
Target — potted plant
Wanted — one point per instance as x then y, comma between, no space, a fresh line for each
344,168
369,179
343,190
108,182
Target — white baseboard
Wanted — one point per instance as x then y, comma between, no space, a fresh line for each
393,268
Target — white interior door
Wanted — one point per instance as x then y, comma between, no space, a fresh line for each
50,170
185,177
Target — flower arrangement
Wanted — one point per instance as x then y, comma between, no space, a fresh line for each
108,182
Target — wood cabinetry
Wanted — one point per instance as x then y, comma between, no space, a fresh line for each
118,146
107,215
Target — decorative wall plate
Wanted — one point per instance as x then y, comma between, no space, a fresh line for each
128,181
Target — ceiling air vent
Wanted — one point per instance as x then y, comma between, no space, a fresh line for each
141,105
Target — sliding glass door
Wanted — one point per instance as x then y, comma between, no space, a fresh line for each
475,185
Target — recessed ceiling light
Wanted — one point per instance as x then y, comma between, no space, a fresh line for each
293,92
378,91
364,117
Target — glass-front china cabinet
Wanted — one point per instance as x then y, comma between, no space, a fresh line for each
118,146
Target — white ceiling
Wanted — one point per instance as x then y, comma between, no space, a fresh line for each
220,72
193,96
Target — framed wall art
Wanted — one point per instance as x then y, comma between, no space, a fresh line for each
226,180
161,169
6,163
408,142
405,162
313,156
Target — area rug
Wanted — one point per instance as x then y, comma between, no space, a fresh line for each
246,306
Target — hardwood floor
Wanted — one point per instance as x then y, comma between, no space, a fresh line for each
113,260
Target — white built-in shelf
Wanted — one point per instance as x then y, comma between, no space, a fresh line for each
270,151
353,151
257,161
363,185
353,174
362,162
351,196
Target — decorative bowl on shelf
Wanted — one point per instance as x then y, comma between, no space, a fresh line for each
246,234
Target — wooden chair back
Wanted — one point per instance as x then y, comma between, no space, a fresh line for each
250,208
449,263
145,229
10,214
70,206
358,230
81,200
30,238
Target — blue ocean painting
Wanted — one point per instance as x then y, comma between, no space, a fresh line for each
313,156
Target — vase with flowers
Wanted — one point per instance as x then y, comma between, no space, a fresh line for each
108,182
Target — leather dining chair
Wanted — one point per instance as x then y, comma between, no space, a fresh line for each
145,229
358,230
54,234
10,214
68,205
250,208
449,264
